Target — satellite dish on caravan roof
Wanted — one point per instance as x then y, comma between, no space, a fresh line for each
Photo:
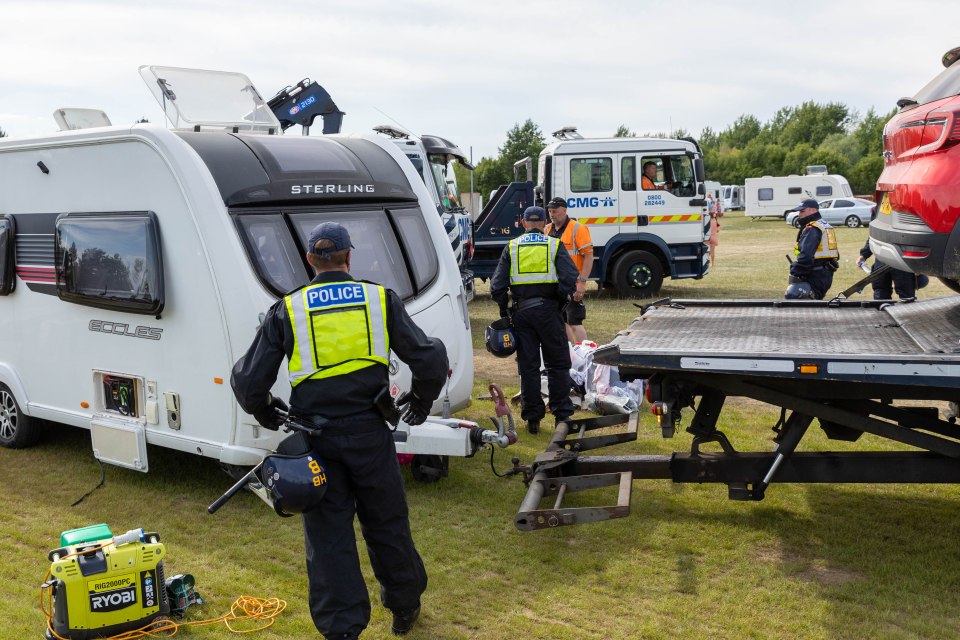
69,119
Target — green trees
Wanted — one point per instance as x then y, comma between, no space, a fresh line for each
794,138
788,142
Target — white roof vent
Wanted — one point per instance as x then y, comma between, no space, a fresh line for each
69,119
567,133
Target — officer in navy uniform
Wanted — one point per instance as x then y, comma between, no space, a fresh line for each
816,253
337,334
540,279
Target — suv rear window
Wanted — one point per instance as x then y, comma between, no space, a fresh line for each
947,83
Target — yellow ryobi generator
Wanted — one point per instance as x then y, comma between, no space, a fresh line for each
103,585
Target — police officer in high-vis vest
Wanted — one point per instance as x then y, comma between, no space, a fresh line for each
816,256
540,277
337,334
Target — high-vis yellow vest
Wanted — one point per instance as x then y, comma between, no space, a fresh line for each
533,259
828,241
338,328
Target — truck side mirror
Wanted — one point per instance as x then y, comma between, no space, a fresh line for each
698,169
701,190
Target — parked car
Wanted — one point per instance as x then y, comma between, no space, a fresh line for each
919,203
849,212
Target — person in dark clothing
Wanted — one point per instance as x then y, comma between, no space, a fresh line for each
816,256
337,334
537,273
906,283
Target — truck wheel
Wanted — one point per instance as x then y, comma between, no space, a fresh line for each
17,430
852,222
638,274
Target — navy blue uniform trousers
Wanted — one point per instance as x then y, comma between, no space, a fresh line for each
363,477
541,327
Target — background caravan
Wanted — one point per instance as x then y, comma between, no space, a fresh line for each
776,195
136,262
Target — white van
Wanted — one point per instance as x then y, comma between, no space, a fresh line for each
136,264
774,196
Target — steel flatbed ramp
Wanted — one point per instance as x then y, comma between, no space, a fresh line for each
844,364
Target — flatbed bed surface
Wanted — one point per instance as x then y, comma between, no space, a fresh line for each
915,343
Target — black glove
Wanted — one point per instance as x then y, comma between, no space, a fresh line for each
413,409
272,415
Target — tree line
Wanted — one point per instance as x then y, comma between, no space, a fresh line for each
831,134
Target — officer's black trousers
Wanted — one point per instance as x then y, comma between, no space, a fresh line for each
905,283
541,328
820,281
364,478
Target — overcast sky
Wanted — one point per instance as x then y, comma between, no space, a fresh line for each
469,71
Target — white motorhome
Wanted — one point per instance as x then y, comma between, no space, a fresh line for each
774,196
136,263
433,158
733,197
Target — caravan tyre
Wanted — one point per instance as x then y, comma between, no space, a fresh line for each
17,430
638,274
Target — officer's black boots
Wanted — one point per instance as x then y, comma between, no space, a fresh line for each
403,621
533,426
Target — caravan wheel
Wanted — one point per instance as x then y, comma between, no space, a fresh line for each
17,430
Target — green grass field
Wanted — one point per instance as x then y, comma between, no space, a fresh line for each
810,561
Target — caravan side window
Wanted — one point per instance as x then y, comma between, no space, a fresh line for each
793,191
589,175
826,190
765,194
419,248
110,261
8,234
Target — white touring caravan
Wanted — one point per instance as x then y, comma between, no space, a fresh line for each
732,197
774,196
713,187
136,263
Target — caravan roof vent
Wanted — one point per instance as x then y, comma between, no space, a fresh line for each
71,119
195,98
817,170
393,132
567,133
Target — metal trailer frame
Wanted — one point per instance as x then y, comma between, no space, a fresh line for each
849,393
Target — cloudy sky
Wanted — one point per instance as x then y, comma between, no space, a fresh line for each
469,71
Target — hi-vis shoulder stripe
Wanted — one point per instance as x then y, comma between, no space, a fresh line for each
633,219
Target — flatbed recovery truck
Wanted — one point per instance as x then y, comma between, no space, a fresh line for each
849,364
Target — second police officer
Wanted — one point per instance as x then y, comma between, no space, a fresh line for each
540,278
816,256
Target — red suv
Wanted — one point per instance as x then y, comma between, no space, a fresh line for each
916,228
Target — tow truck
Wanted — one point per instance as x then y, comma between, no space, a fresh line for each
696,354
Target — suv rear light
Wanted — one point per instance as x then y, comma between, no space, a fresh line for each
941,129
915,252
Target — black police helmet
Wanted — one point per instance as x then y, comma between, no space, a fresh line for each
296,484
799,291
500,338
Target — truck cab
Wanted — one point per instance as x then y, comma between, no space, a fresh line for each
640,236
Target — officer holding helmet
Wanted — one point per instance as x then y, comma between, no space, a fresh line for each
540,277
816,256
337,334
